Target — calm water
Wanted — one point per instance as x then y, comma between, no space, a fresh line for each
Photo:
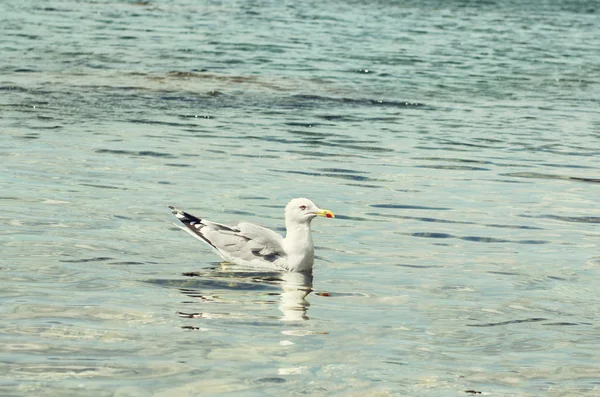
456,141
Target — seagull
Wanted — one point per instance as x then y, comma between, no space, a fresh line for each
248,244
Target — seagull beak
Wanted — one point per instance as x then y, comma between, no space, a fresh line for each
325,213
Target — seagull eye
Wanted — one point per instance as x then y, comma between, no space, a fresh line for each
302,207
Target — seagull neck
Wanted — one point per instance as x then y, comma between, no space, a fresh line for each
298,232
298,246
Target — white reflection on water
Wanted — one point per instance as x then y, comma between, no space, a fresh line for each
208,285
295,288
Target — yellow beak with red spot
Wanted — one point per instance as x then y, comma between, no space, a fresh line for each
325,213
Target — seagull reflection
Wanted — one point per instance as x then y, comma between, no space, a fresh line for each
226,284
295,287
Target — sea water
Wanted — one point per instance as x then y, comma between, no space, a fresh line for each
457,142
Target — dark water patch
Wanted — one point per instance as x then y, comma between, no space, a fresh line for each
347,144
25,70
537,175
453,167
98,259
165,123
143,153
51,127
320,153
557,278
453,160
340,170
350,177
575,219
189,315
395,363
439,148
103,186
514,226
260,156
190,285
187,75
51,9
333,101
566,166
127,263
270,380
383,119
409,207
353,141
527,320
12,88
565,324
562,150
364,185
253,197
490,140
178,165
122,217
28,136
195,133
476,239
195,116
375,149
351,218
238,212
276,139
214,271
314,134
336,117
503,273
305,125
417,266
418,218
330,175
431,235
509,181
484,239
467,144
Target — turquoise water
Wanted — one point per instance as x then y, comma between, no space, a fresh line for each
457,142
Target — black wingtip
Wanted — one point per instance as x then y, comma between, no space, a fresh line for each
183,216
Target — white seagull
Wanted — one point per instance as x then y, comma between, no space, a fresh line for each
248,244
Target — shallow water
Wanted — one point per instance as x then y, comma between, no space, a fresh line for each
457,143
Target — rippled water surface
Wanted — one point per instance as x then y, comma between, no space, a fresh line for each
457,142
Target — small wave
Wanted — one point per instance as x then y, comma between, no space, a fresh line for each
526,320
538,175
98,259
148,153
476,239
361,101
410,207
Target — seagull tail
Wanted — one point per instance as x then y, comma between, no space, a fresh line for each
193,225
183,216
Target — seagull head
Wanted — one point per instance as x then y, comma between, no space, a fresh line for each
302,211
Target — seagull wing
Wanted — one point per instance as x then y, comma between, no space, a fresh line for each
241,243
270,241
